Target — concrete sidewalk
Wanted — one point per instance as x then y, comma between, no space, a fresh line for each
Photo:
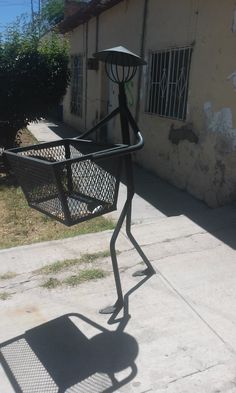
177,333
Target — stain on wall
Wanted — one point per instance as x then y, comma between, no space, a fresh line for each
221,122
176,135
234,21
205,169
129,93
217,148
232,77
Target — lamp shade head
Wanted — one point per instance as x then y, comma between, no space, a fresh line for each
120,56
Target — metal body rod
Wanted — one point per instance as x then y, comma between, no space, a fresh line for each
100,124
120,299
149,269
126,118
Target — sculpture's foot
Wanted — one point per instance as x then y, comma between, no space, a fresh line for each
112,309
145,272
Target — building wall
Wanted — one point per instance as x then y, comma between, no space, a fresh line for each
206,169
77,40
120,25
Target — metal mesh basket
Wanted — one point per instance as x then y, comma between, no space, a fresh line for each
69,180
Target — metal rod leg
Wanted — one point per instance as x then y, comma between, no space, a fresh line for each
149,270
120,300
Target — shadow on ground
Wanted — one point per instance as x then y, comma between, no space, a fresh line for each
58,356
74,354
59,129
8,181
171,201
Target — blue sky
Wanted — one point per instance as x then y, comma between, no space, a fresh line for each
10,9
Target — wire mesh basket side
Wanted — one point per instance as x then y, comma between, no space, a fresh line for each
65,180
88,188
92,180
50,153
37,180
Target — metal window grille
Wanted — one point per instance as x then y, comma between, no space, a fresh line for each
168,82
76,104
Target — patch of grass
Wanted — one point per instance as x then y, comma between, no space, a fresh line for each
51,283
26,138
88,258
59,266
21,225
4,295
85,275
8,275
76,279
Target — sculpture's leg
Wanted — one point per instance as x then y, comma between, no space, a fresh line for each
120,300
130,192
149,271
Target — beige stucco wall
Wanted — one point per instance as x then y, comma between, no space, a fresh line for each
77,41
206,169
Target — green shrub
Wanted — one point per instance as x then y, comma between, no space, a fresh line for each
34,76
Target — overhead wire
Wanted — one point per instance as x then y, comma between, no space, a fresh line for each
14,2
5,3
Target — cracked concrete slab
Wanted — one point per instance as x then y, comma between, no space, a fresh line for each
206,280
183,340
166,330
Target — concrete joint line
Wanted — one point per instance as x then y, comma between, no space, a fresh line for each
184,253
197,313
194,373
167,240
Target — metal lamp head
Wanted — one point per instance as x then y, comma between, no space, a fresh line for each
121,64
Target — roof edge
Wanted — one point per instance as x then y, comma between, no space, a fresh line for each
91,10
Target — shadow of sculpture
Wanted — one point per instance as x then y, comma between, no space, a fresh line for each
73,354
59,357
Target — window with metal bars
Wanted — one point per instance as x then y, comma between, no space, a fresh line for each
168,82
76,103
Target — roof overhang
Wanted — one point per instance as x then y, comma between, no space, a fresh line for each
90,10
